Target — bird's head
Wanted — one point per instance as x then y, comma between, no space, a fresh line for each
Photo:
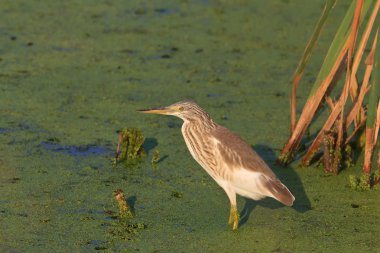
186,110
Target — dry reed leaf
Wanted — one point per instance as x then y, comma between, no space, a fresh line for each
330,102
352,40
355,109
372,120
377,123
369,143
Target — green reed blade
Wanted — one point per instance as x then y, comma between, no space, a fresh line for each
313,39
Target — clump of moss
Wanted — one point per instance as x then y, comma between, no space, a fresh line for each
331,152
155,158
129,147
176,194
376,180
125,230
353,181
284,159
122,227
348,154
362,183
124,210
336,155
365,182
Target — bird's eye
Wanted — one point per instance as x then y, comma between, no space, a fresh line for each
181,108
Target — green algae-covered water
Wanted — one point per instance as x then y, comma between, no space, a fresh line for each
72,73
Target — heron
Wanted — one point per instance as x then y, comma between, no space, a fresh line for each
227,158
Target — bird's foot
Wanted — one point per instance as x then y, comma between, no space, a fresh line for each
234,217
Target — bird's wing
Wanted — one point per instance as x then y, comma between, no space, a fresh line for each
237,154
252,177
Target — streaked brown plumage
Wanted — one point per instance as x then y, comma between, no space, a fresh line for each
230,161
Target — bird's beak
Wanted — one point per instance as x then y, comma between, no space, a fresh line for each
162,110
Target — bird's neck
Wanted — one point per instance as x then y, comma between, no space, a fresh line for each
200,124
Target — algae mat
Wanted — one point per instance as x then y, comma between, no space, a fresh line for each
74,72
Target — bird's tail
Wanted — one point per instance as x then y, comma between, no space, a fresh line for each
280,192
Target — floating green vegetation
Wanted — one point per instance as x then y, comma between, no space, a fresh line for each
155,158
129,147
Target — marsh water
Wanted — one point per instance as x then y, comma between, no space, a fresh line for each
72,73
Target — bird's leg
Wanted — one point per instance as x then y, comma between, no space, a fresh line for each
234,217
233,220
